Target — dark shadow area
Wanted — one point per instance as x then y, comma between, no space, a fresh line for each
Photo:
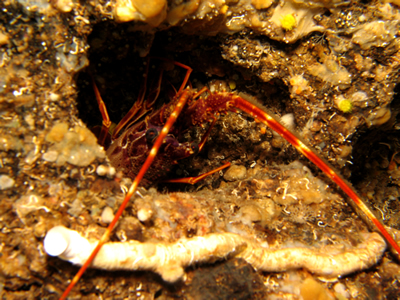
377,145
375,169
118,62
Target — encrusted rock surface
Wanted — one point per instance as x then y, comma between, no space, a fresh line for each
49,169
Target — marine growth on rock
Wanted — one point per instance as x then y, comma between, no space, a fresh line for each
330,67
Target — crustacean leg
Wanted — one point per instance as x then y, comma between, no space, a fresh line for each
137,111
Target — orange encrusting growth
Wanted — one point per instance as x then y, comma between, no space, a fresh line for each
271,122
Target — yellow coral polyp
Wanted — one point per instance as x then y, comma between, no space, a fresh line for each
232,84
288,22
345,106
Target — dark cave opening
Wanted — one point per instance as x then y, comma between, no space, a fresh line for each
374,169
118,67
377,144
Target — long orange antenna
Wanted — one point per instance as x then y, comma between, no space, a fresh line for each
153,152
271,122
137,106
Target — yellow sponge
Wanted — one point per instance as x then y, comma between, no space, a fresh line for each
288,22
345,106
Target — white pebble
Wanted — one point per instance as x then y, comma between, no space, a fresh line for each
107,215
111,172
103,170
144,214
54,97
340,289
6,182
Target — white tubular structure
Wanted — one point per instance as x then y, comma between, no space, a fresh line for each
67,244
169,260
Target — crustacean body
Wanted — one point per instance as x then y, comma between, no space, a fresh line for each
130,147
157,145
129,151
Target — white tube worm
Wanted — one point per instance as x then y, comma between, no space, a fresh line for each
169,260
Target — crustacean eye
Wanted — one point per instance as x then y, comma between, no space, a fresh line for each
151,135
195,148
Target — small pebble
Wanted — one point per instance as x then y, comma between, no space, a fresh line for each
6,182
235,173
111,172
54,97
144,214
340,291
64,5
103,170
50,156
107,215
